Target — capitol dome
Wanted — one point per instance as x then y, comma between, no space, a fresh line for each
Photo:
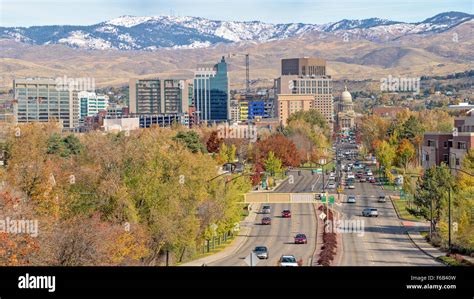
346,96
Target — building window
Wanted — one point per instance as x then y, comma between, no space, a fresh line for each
427,158
457,162
445,144
445,158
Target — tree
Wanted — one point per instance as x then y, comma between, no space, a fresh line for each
432,192
273,164
214,142
385,155
313,117
405,153
231,153
64,147
191,140
283,148
223,156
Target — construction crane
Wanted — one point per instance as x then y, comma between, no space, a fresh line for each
247,69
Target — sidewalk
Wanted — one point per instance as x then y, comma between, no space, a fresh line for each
423,245
245,228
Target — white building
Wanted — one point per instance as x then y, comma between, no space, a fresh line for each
92,103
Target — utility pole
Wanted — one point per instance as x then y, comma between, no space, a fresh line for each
449,219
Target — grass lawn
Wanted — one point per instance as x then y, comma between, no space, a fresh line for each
400,205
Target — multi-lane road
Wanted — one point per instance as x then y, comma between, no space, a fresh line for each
279,236
383,242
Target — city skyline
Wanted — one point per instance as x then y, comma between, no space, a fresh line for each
27,13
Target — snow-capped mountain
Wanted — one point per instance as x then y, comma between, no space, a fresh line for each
152,33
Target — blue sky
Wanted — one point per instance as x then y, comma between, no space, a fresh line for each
86,12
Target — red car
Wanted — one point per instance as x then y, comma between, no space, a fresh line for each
301,239
372,179
286,214
266,221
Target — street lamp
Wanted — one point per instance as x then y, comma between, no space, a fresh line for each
449,206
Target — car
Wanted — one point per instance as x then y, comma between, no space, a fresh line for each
359,174
266,210
286,214
369,173
266,221
301,239
362,179
370,212
371,179
382,198
350,175
351,186
351,199
261,252
332,176
288,261
332,185
318,196
349,182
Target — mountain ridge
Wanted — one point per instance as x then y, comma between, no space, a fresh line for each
150,33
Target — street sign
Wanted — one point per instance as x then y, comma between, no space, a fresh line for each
339,189
252,259
323,198
331,199
322,216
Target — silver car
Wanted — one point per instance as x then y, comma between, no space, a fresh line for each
382,198
332,185
261,252
288,261
266,210
370,212
351,199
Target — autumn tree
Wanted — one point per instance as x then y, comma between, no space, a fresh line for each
405,153
283,148
214,142
385,155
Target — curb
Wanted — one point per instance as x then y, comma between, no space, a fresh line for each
243,237
316,241
394,207
424,251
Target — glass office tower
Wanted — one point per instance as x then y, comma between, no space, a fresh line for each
211,92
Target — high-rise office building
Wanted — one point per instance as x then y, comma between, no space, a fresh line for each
43,100
91,103
295,93
303,67
155,96
211,91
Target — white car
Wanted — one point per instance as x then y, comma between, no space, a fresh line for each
332,185
332,176
382,198
369,173
370,212
288,261
351,199
350,175
266,210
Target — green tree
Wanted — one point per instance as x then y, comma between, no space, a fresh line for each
385,154
272,164
191,140
223,156
432,192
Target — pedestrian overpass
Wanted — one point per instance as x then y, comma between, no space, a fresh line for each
272,197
